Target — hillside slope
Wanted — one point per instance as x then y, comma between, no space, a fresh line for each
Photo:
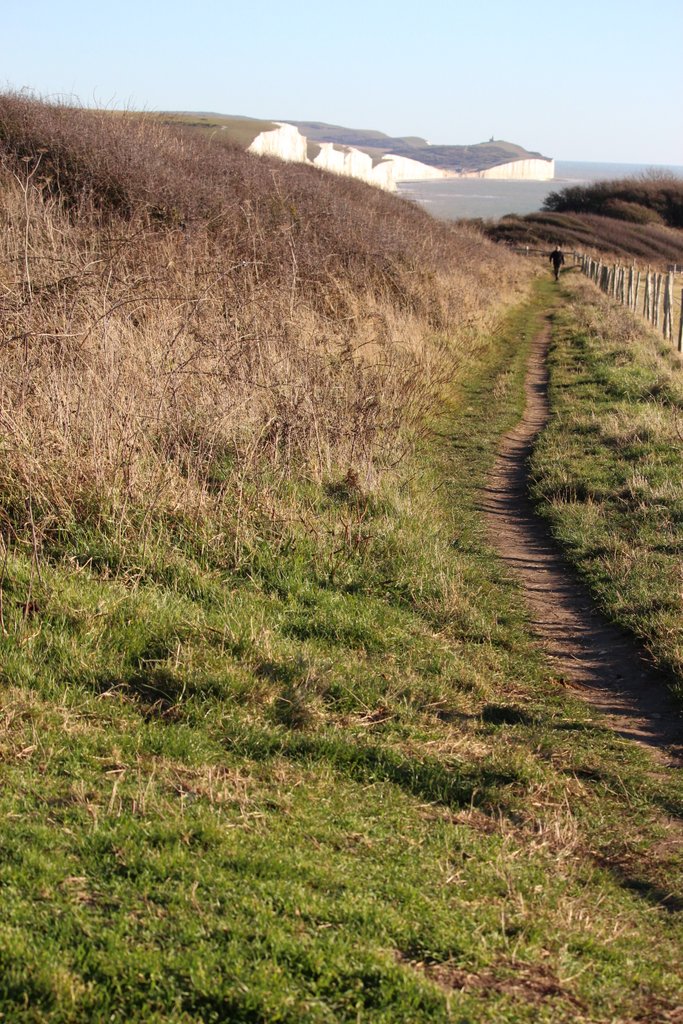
276,742
584,232
162,261
638,217
646,199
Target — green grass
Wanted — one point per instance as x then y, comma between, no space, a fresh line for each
331,780
609,471
240,131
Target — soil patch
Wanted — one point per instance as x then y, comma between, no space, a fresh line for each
529,983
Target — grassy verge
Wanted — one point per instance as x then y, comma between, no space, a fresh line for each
331,782
609,470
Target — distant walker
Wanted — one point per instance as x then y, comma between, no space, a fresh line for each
557,259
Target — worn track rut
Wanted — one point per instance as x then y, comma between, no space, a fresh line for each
601,662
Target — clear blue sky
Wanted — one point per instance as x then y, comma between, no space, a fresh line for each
584,80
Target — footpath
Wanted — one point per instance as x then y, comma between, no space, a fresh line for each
599,661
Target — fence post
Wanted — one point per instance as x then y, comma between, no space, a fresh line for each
665,310
658,292
668,307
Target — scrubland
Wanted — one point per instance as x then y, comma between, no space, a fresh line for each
276,741
656,245
651,198
637,218
181,319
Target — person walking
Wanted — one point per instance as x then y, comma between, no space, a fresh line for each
557,259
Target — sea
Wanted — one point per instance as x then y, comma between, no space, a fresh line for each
455,198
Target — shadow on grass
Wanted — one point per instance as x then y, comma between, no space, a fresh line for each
453,785
157,692
154,691
505,714
648,890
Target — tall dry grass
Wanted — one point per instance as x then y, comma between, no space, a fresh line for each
179,320
656,244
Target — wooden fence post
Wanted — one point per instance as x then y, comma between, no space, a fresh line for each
665,311
667,326
658,292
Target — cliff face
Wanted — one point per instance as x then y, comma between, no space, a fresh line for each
402,168
522,170
287,143
378,167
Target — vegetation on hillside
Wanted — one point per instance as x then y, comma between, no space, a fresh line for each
276,742
182,320
240,131
648,199
583,232
639,218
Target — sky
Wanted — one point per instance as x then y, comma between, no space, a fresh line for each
593,80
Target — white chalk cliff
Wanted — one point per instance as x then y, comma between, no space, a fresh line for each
522,170
285,142
288,143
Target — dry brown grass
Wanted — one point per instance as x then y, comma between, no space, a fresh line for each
179,319
656,244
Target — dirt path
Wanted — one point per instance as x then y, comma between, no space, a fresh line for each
603,664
